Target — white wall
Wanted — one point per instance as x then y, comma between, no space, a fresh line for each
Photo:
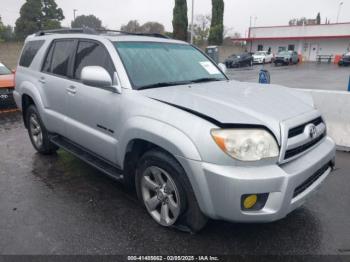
304,47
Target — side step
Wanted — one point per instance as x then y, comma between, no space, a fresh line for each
88,157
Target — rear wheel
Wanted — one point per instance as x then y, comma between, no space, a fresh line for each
165,191
37,132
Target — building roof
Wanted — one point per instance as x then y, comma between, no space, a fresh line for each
324,31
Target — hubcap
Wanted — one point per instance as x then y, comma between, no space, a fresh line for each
160,196
35,130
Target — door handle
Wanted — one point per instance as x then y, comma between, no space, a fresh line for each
72,90
42,80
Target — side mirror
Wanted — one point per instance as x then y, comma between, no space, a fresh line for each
97,76
223,67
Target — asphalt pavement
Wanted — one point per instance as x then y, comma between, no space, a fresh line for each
59,205
305,75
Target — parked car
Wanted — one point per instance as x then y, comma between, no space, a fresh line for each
6,88
345,60
240,60
160,116
287,58
262,57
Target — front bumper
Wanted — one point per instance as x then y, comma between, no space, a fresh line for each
6,99
219,189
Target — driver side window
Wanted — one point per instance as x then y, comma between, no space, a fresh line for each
91,53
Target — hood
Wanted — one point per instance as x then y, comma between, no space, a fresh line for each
7,81
233,102
258,56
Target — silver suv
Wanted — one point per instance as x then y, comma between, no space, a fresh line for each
160,116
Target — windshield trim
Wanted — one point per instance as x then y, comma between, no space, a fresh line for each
133,86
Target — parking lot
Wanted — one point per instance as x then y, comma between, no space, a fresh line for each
59,205
305,75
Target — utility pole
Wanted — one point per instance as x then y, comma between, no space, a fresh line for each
192,29
339,8
74,11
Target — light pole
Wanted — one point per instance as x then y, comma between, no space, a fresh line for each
192,32
74,11
339,8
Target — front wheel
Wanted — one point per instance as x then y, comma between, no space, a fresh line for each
37,132
165,191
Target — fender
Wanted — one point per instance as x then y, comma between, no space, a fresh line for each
159,133
27,88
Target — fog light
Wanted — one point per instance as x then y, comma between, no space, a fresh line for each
250,201
253,202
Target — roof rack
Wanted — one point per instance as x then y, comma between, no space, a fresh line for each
91,31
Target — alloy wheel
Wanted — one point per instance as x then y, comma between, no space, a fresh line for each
35,130
160,196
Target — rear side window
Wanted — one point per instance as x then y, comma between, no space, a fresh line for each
29,52
48,59
92,54
60,57
57,58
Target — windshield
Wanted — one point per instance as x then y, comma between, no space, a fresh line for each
4,70
151,64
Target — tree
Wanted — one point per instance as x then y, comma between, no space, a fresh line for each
152,27
180,20
216,33
318,19
87,21
132,26
201,29
36,15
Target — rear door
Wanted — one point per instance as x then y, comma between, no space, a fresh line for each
93,112
55,80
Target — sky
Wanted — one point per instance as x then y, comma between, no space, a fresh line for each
115,13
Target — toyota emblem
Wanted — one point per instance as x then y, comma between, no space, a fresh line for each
312,131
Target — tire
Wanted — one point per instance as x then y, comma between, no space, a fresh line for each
162,185
264,62
38,134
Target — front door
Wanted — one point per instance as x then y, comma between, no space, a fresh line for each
313,52
93,112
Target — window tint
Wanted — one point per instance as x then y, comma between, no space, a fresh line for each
60,57
92,54
48,60
29,52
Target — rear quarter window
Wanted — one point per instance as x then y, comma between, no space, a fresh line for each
29,52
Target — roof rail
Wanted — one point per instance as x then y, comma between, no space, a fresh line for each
91,31
85,30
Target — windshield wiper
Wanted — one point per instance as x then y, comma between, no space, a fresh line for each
206,79
164,84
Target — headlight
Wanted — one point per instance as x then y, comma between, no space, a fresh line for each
246,144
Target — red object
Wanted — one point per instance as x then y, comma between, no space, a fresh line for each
292,38
300,58
337,59
7,81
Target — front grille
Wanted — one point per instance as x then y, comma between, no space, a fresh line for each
306,184
300,129
298,150
7,101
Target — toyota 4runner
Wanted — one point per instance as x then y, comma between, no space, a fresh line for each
163,118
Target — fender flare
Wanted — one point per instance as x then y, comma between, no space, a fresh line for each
159,133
